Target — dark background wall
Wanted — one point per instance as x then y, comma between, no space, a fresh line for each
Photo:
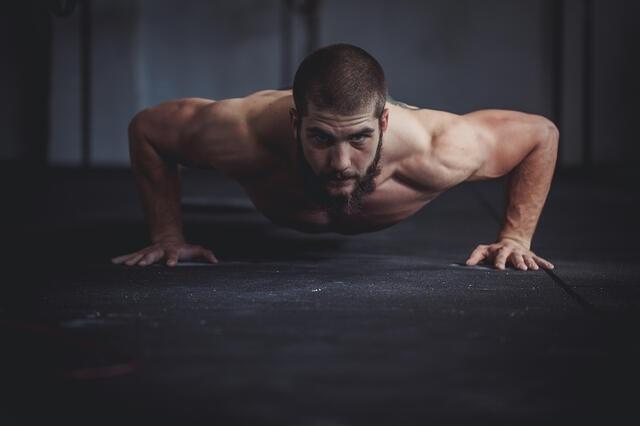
574,61
25,34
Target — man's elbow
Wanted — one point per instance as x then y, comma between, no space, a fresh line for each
143,153
548,142
550,132
138,125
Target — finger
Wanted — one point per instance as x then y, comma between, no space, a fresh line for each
544,263
172,258
531,263
502,257
120,259
518,260
151,257
210,256
198,252
477,255
495,248
207,255
134,259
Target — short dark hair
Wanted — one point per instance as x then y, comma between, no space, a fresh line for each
342,78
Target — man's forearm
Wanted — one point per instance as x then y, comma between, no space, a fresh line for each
527,188
158,181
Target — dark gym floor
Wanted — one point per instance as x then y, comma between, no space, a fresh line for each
386,328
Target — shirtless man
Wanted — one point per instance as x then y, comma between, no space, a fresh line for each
336,155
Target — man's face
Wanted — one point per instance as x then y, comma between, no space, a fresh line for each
339,156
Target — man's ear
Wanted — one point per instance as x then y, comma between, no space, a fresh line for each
384,120
293,116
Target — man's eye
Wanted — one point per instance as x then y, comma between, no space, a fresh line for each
358,138
321,138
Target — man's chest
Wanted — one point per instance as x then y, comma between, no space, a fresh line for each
282,198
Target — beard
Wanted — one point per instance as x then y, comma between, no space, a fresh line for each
341,204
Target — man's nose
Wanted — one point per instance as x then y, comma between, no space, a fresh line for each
339,159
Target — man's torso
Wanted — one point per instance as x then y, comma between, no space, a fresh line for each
276,187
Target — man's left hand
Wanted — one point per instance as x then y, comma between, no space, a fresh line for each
507,251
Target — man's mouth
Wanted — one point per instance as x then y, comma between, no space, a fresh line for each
338,182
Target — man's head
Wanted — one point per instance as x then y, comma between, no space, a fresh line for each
339,92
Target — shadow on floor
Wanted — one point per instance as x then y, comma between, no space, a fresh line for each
231,241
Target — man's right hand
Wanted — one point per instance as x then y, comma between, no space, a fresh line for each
169,250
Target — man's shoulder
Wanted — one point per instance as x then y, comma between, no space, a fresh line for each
444,153
248,131
426,130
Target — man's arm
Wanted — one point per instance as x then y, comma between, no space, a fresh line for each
524,147
493,143
190,132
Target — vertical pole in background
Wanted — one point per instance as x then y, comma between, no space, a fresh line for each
557,89
310,12
85,84
286,43
587,85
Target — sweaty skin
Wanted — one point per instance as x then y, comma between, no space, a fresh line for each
347,174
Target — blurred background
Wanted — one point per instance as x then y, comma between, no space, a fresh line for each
74,73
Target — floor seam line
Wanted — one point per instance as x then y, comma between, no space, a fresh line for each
585,304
